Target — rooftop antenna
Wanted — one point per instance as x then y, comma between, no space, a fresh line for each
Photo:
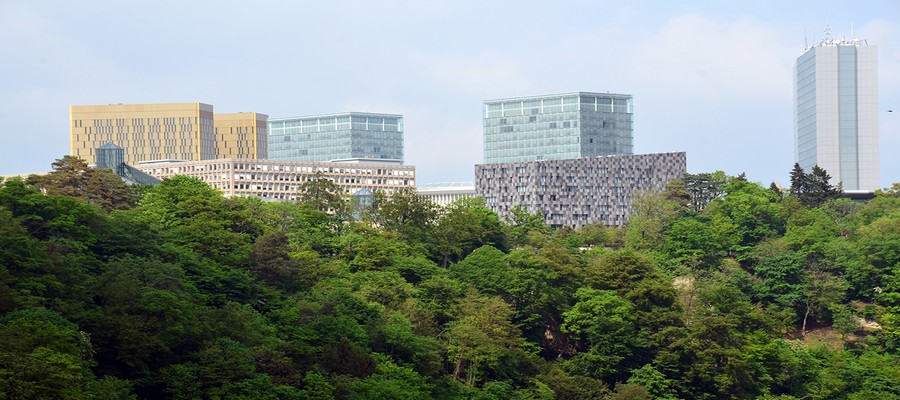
805,40
827,34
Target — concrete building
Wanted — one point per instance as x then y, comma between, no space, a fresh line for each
836,111
182,131
576,192
241,135
281,180
444,193
557,127
345,136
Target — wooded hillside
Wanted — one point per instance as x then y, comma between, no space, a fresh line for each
717,288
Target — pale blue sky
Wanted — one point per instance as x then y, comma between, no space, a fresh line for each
712,78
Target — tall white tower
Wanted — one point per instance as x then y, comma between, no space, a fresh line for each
836,111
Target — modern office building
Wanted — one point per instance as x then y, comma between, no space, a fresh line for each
576,192
182,131
444,193
557,127
836,111
280,180
345,136
241,135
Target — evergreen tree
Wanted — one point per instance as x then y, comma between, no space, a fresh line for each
812,189
72,177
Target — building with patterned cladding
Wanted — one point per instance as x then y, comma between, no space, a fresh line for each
580,191
179,131
241,135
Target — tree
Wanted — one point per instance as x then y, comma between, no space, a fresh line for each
814,188
72,177
405,212
653,212
467,225
44,356
799,181
323,195
705,187
603,325
270,261
520,223
822,289
751,212
481,336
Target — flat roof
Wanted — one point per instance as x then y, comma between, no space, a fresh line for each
340,114
607,94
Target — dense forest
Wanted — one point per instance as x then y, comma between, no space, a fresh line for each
716,288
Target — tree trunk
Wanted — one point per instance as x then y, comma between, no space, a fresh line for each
805,317
458,369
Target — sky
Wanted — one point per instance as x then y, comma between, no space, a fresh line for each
711,78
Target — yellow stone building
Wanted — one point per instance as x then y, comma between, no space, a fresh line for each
241,135
179,131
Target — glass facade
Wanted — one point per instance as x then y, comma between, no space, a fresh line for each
336,136
836,105
112,157
556,127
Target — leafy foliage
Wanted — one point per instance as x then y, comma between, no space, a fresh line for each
716,288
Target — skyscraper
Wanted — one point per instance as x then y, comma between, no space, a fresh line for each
836,111
557,127
353,135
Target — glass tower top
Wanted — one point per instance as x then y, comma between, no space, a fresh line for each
351,135
556,127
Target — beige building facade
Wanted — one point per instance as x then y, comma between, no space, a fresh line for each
177,131
281,180
241,135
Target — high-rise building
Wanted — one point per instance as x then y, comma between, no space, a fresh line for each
182,131
836,111
557,127
241,135
345,136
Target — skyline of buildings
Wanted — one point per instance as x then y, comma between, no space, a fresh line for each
568,156
557,126
339,136
836,111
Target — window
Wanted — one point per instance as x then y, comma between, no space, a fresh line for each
532,119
